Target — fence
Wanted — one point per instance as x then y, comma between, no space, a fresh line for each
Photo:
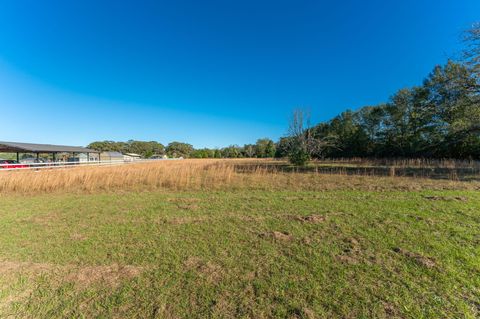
57,165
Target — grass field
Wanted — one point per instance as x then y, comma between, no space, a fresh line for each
203,239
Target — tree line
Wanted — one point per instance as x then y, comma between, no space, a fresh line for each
438,119
263,148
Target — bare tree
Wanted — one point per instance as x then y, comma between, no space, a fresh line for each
249,150
302,144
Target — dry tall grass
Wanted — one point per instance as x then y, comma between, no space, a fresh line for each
200,175
407,162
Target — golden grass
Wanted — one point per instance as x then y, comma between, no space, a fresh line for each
407,163
201,174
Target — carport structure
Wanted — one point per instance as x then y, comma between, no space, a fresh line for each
37,149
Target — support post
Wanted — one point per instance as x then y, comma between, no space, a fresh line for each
88,157
18,157
54,157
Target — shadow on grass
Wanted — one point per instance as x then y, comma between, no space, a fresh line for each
441,173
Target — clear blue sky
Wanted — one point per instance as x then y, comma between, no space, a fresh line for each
211,73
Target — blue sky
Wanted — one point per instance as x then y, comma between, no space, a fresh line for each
211,73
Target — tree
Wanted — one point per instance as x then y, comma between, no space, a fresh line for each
471,53
265,147
342,137
249,150
270,149
371,121
203,153
178,149
454,104
232,151
281,148
105,146
146,149
301,142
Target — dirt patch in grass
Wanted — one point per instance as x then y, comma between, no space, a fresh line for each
447,198
191,207
389,309
347,259
185,203
183,200
46,219
208,270
78,237
14,298
277,235
418,258
108,275
186,220
352,253
308,313
249,218
313,219
282,236
295,198
14,267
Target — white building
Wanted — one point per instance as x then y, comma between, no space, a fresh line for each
130,157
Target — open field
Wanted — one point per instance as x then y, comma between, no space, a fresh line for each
237,238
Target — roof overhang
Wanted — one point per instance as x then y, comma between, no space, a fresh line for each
14,147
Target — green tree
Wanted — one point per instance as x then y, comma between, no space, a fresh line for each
249,150
282,147
265,148
178,149
454,104
232,151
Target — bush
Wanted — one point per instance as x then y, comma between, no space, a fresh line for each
298,157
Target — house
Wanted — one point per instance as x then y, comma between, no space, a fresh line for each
130,157
111,156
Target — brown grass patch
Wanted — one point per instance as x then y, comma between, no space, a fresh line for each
186,220
277,235
418,258
185,203
347,259
78,237
109,275
46,219
191,207
14,267
208,270
183,200
389,309
313,219
352,253
447,198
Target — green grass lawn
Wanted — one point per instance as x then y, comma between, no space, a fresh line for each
252,254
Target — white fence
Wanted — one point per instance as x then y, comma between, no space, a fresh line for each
57,165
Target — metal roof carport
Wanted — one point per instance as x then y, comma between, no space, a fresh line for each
14,147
